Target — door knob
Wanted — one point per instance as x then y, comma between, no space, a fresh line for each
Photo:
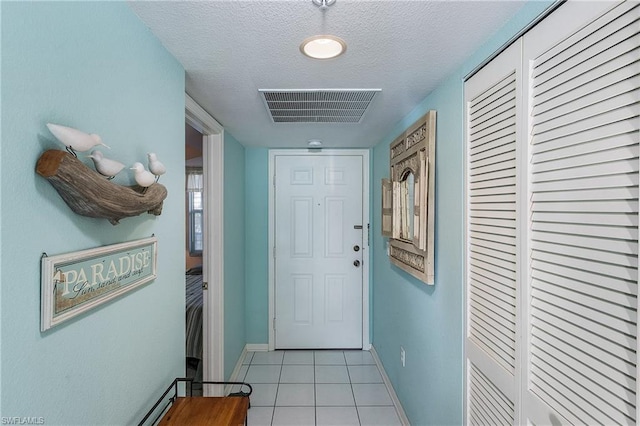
356,263
356,248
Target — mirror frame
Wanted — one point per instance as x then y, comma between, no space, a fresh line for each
413,151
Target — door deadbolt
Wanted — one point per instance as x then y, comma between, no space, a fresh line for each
356,248
356,263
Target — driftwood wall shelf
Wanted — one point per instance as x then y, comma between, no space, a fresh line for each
91,194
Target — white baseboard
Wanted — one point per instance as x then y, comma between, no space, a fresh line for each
257,347
236,371
387,382
249,347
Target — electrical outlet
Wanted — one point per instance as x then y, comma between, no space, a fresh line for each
402,355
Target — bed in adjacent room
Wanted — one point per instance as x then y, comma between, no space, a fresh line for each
193,332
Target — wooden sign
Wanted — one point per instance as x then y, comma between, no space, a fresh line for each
77,282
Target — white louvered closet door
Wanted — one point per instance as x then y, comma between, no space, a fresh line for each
492,99
583,238
552,223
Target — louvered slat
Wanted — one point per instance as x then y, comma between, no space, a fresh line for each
497,281
608,381
563,103
584,222
587,264
567,128
621,148
613,287
616,70
599,145
587,35
610,219
570,397
501,250
503,135
489,99
616,193
611,181
592,350
600,48
494,149
628,127
607,259
491,250
487,405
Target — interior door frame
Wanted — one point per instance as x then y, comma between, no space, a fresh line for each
213,254
364,153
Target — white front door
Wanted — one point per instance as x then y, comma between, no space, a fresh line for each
318,251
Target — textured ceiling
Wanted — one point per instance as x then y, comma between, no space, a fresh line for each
230,49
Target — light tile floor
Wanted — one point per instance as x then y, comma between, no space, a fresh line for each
337,388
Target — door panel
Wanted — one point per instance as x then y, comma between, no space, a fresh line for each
318,221
582,309
302,227
493,226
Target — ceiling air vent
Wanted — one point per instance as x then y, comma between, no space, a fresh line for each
318,106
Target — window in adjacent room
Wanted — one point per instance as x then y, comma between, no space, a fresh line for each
195,193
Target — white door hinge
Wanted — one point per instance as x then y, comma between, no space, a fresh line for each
274,323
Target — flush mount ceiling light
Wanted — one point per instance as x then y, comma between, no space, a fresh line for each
323,47
314,143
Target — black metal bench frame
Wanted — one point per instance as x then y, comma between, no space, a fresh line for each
189,382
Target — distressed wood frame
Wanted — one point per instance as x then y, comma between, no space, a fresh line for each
413,152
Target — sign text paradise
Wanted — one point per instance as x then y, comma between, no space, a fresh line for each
78,282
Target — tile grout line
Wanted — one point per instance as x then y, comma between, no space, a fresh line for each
275,401
315,391
355,404
314,365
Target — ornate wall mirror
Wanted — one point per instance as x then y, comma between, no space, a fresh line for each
408,199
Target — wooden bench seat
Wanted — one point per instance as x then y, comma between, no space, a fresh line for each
186,409
198,410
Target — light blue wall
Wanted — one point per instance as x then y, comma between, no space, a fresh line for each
257,244
428,321
234,252
0,213
94,66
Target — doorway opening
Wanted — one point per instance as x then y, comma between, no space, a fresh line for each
212,243
194,246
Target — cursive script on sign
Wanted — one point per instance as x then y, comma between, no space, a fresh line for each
119,269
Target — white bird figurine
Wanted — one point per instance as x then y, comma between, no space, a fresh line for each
105,166
143,177
74,139
155,166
